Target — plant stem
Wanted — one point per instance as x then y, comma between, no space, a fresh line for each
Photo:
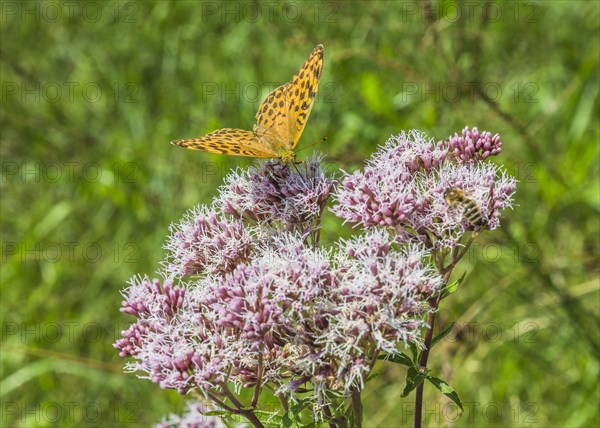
240,410
258,380
434,303
423,363
249,414
356,408
327,413
221,403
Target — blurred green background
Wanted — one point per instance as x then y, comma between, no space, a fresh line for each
92,93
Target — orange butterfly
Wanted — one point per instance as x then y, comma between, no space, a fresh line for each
280,120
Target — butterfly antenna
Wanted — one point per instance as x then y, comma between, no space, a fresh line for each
322,140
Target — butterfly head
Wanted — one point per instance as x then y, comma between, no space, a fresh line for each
287,156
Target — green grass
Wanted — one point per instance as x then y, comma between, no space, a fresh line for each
141,74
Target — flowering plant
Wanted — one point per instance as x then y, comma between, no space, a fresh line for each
251,306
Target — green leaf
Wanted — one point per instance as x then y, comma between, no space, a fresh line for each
217,413
400,358
442,334
446,389
452,287
373,375
230,423
413,379
292,418
415,352
289,421
270,418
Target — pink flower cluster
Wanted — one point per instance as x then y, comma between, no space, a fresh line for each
471,145
278,196
402,187
204,241
249,300
294,314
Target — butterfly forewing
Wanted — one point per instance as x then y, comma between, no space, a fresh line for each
283,114
302,93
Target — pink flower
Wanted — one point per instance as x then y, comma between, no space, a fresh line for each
403,184
472,145
204,241
278,196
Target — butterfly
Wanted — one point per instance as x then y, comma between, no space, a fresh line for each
280,119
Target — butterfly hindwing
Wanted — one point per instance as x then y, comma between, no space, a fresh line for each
272,119
228,141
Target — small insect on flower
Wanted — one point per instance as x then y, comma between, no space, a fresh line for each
280,120
455,197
